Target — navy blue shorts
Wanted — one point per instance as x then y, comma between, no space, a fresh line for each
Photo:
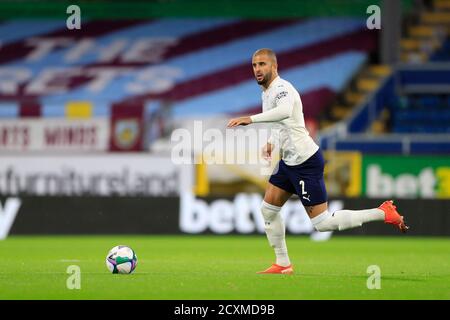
305,179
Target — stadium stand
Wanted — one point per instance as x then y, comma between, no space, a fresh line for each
204,64
200,68
426,32
113,134
411,102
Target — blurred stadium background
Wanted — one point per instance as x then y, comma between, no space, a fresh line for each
86,116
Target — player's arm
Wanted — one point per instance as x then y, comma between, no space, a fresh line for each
282,110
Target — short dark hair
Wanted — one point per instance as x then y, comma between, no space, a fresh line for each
269,52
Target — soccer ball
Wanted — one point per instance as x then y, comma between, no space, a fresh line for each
121,259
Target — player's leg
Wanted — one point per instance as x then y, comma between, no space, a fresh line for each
323,220
312,192
276,196
278,191
274,199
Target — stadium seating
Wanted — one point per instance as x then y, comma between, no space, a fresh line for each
443,53
425,38
421,114
202,69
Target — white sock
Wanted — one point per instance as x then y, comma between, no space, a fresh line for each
346,219
275,231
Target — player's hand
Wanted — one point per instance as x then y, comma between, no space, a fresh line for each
267,152
242,121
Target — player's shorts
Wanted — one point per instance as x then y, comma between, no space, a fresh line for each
305,180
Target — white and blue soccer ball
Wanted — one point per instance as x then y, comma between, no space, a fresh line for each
121,259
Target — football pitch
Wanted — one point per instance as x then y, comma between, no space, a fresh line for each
223,267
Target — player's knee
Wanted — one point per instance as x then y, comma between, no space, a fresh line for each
269,211
324,222
273,223
322,227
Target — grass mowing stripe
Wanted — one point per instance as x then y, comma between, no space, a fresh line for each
223,267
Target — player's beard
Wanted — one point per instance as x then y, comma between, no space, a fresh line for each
265,80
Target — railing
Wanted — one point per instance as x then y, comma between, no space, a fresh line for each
431,78
404,144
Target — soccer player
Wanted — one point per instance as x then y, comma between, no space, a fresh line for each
301,167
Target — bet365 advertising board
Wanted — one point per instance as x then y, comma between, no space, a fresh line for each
413,177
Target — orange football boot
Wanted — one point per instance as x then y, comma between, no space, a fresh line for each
391,216
277,269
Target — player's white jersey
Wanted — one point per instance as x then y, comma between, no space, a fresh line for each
290,133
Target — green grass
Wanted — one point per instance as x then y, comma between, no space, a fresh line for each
223,267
